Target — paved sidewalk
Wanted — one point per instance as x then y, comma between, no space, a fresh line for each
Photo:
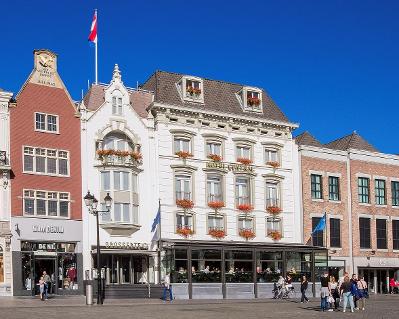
378,307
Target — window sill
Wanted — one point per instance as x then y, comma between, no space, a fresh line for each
364,204
49,132
395,207
365,250
384,250
45,217
335,248
319,200
335,201
45,174
381,206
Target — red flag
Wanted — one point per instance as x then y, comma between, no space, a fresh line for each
93,29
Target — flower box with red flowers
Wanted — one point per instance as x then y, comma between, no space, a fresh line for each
193,91
184,231
274,210
275,235
183,154
253,101
273,164
217,233
246,208
216,204
185,203
247,233
137,156
215,157
244,160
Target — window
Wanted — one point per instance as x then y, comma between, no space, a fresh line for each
242,191
395,193
121,181
395,234
274,224
214,188
243,151
183,187
46,203
245,223
46,122
364,190
316,186
213,148
272,194
380,193
271,156
46,161
116,105
333,188
121,213
192,89
184,221
364,229
117,141
381,230
318,237
182,144
215,222
335,232
105,181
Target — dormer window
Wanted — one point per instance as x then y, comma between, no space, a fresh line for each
191,89
250,99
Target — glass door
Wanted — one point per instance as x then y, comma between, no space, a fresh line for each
124,269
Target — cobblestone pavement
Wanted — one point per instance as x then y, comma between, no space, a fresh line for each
378,307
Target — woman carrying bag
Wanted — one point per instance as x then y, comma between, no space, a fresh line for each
362,291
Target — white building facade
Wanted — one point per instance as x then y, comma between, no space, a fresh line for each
5,196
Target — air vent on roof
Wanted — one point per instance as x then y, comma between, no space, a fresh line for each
190,121
205,123
263,132
277,134
221,126
235,128
250,130
173,119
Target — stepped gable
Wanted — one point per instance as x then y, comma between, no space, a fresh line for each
307,139
219,96
351,141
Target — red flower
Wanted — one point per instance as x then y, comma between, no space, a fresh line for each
185,203
215,157
247,233
216,204
245,207
193,90
273,164
273,210
183,154
217,233
184,231
253,101
136,155
245,161
275,235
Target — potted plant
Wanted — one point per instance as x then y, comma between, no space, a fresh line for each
275,235
273,164
185,203
215,157
183,154
253,101
184,231
217,204
137,156
217,233
246,208
244,160
274,210
193,91
247,233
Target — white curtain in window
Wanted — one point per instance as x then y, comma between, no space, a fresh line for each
242,191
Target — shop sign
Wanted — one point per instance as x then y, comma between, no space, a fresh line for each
48,229
126,245
230,167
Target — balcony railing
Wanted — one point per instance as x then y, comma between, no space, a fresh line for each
183,195
129,159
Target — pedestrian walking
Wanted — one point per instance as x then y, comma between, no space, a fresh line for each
334,294
47,282
363,291
346,294
354,290
304,287
167,287
324,292
41,284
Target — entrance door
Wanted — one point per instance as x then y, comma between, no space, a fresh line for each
124,268
48,265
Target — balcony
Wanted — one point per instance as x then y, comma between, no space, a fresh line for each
120,229
119,158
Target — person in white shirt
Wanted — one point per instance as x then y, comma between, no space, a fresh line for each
167,288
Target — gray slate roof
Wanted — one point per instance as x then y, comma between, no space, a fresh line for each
307,139
351,141
219,96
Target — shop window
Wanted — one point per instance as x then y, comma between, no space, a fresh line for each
298,264
206,265
179,266
269,266
67,272
320,264
381,232
238,266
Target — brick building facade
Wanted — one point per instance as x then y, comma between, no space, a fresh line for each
357,187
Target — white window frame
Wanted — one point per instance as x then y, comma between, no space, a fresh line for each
210,187
237,190
240,152
186,217
210,147
183,177
241,224
273,201
46,123
214,216
181,140
271,222
117,105
242,96
47,196
60,155
268,155
187,96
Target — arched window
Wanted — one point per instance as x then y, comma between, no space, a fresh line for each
117,141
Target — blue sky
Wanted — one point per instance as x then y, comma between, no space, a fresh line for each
332,66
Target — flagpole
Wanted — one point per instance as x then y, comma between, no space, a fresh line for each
96,55
159,243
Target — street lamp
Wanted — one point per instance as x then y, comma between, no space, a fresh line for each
91,203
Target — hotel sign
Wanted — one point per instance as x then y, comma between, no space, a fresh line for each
230,167
126,245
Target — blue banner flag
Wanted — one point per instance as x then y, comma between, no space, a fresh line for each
157,220
321,225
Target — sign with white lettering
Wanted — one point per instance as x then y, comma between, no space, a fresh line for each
230,167
126,245
48,229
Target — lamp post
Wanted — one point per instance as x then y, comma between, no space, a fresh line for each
91,203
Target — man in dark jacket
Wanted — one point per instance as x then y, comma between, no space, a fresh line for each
354,290
304,286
